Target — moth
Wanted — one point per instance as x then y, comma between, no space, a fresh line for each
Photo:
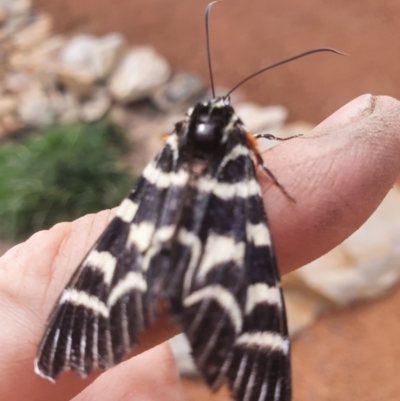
192,233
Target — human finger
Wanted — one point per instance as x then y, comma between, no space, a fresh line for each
151,376
338,174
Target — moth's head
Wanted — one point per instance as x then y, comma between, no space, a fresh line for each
208,122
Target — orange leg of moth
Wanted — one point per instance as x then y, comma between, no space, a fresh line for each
252,144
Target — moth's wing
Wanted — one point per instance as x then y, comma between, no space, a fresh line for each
210,306
235,269
105,305
259,365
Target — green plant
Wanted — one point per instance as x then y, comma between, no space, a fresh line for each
66,172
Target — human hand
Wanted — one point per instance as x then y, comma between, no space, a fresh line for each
338,174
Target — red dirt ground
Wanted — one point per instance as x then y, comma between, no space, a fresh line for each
350,355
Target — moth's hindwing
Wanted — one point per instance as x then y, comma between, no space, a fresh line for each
194,234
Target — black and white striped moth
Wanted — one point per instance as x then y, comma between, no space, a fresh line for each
193,233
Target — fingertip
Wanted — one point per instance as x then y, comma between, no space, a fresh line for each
338,174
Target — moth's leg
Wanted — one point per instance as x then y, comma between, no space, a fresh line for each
251,141
273,137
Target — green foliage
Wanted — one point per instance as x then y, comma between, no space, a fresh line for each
62,174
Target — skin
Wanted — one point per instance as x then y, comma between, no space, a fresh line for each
338,175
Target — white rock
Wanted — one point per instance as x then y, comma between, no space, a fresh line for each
64,106
16,82
42,58
47,52
19,61
80,83
8,105
71,111
12,26
97,107
35,33
35,109
141,71
96,56
15,15
303,304
16,6
182,88
261,119
364,266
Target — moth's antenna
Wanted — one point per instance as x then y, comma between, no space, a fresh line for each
306,53
207,13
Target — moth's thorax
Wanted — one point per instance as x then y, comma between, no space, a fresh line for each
208,132
208,124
